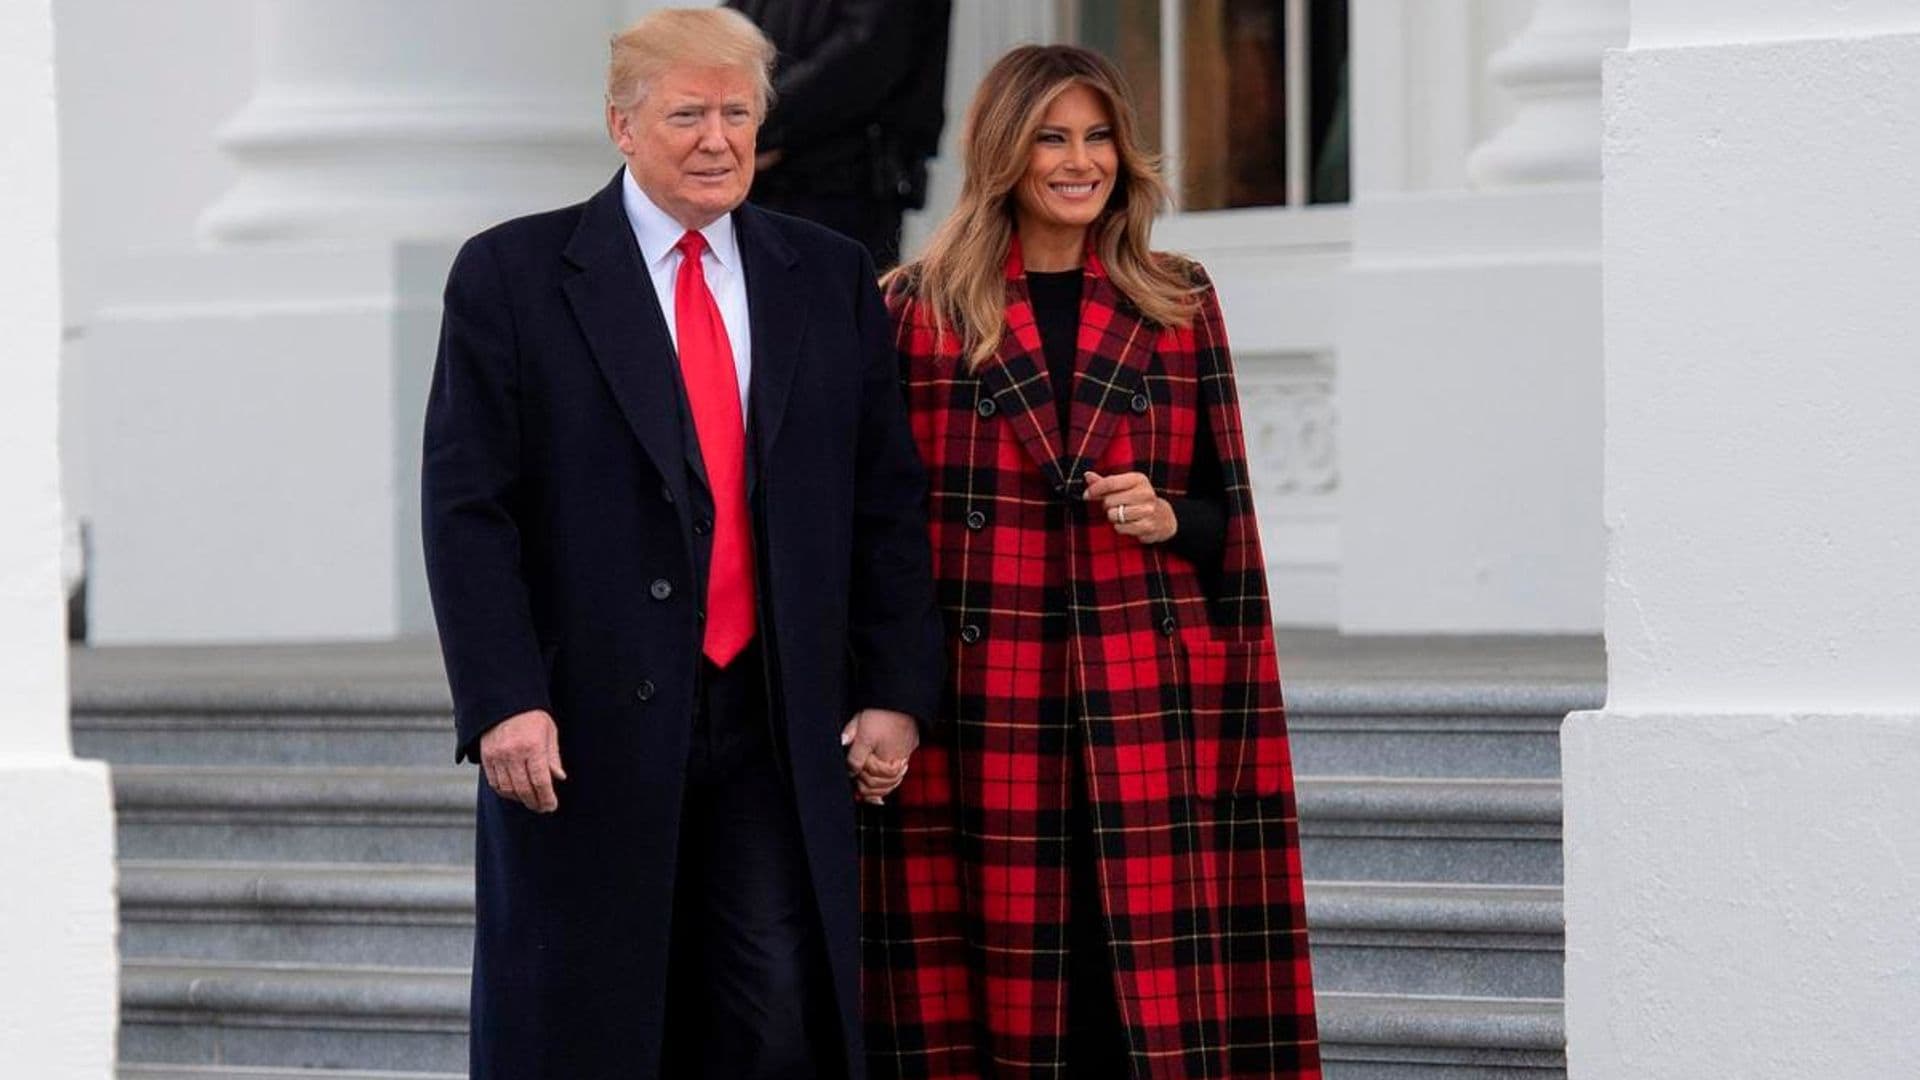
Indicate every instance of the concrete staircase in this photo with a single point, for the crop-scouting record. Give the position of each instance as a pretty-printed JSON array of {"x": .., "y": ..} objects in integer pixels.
[{"x": 295, "y": 846}]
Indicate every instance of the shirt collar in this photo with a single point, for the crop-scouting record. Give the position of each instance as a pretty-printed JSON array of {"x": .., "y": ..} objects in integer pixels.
[{"x": 657, "y": 233}]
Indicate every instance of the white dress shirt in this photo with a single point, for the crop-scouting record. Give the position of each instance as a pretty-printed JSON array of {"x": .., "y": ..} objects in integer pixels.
[{"x": 659, "y": 235}]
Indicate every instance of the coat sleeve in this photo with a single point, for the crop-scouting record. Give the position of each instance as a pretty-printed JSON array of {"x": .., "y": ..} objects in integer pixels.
[
  {"x": 895, "y": 628},
  {"x": 846, "y": 76},
  {"x": 470, "y": 477},
  {"x": 1240, "y": 605}
]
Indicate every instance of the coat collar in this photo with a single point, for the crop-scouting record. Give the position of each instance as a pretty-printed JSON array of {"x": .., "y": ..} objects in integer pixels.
[
  {"x": 614, "y": 303},
  {"x": 777, "y": 304},
  {"x": 613, "y": 300},
  {"x": 1114, "y": 349}
]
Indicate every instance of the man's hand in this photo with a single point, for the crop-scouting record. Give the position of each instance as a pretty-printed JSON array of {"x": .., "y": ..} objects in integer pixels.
[
  {"x": 521, "y": 756},
  {"x": 879, "y": 742}
]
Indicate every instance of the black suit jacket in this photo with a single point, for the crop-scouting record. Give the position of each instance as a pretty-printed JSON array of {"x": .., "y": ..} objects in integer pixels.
[{"x": 565, "y": 548}]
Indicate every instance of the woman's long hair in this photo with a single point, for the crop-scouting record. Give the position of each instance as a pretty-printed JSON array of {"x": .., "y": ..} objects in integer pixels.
[{"x": 961, "y": 277}]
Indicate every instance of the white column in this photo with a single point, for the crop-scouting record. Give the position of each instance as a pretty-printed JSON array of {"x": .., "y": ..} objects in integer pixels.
[
  {"x": 427, "y": 119},
  {"x": 1552, "y": 69},
  {"x": 57, "y": 1001},
  {"x": 1470, "y": 383},
  {"x": 1742, "y": 823}
]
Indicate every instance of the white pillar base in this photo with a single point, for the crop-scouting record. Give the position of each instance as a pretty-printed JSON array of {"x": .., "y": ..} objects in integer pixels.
[
  {"x": 58, "y": 1000},
  {"x": 1741, "y": 896},
  {"x": 1470, "y": 395},
  {"x": 254, "y": 437}
]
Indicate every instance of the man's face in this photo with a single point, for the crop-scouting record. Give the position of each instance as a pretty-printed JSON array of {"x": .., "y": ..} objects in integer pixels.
[{"x": 689, "y": 142}]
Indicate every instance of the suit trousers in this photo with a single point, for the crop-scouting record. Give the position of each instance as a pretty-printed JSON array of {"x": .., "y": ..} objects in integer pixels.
[{"x": 747, "y": 973}]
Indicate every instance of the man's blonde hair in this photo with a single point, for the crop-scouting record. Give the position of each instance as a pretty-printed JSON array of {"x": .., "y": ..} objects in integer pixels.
[{"x": 713, "y": 37}]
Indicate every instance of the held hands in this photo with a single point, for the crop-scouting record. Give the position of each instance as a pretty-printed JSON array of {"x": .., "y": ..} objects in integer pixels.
[
  {"x": 1132, "y": 506},
  {"x": 521, "y": 756},
  {"x": 878, "y": 742}
]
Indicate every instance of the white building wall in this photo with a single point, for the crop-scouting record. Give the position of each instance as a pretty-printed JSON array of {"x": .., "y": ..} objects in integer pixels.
[
  {"x": 1742, "y": 823},
  {"x": 247, "y": 391},
  {"x": 137, "y": 159},
  {"x": 57, "y": 1003},
  {"x": 1469, "y": 394}
]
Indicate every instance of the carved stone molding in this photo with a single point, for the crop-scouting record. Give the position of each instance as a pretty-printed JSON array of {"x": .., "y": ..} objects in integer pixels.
[{"x": 1287, "y": 405}]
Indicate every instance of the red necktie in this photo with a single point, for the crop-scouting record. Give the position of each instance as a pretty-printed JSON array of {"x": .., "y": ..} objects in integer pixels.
[{"x": 713, "y": 391}]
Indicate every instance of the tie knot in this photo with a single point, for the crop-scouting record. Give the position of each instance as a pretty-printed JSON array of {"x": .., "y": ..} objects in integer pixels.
[{"x": 692, "y": 245}]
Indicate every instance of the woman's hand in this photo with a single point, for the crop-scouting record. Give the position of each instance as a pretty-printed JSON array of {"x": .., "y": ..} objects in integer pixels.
[
  {"x": 1132, "y": 506},
  {"x": 878, "y": 744}
]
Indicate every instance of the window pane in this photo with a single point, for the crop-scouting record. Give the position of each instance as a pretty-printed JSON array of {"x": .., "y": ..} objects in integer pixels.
[
  {"x": 1128, "y": 33},
  {"x": 1234, "y": 111},
  {"x": 1234, "y": 107},
  {"x": 1327, "y": 135}
]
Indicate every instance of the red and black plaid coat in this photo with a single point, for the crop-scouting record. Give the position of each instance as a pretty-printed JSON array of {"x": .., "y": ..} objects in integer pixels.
[{"x": 1055, "y": 620}]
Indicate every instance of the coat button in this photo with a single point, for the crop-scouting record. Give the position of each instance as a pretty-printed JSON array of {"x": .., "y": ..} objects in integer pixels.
[
  {"x": 987, "y": 407},
  {"x": 661, "y": 588},
  {"x": 645, "y": 690},
  {"x": 1140, "y": 403},
  {"x": 969, "y": 634},
  {"x": 666, "y": 493},
  {"x": 976, "y": 521},
  {"x": 1168, "y": 626},
  {"x": 703, "y": 527}
]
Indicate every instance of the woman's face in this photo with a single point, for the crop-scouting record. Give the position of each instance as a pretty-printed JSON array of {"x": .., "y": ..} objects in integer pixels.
[{"x": 1071, "y": 165}]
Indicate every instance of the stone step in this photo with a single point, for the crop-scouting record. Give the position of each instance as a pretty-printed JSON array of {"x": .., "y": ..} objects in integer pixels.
[
  {"x": 227, "y": 1072},
  {"x": 1459, "y": 831},
  {"x": 281, "y": 813},
  {"x": 1409, "y": 1037},
  {"x": 1367, "y": 936},
  {"x": 258, "y": 735},
  {"x": 1467, "y": 940},
  {"x": 294, "y": 1016},
  {"x": 302, "y": 913},
  {"x": 1376, "y": 733},
  {"x": 1432, "y": 730},
  {"x": 1352, "y": 828},
  {"x": 259, "y": 1021}
]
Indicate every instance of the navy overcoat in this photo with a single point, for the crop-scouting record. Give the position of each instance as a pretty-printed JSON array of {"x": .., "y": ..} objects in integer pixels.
[{"x": 565, "y": 543}]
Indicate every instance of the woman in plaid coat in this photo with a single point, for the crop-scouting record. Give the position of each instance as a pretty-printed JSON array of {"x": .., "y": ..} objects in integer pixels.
[{"x": 1092, "y": 868}]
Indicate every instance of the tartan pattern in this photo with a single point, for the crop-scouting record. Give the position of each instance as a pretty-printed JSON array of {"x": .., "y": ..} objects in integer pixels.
[{"x": 1054, "y": 620}]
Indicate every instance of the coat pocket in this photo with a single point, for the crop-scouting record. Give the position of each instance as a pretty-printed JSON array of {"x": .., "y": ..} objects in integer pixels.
[{"x": 1235, "y": 716}]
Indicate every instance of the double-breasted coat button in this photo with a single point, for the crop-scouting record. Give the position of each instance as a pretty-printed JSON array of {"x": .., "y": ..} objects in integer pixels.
[
  {"x": 1140, "y": 403},
  {"x": 703, "y": 527},
  {"x": 666, "y": 493},
  {"x": 969, "y": 634},
  {"x": 645, "y": 690},
  {"x": 1168, "y": 626},
  {"x": 661, "y": 588},
  {"x": 987, "y": 407},
  {"x": 976, "y": 520}
]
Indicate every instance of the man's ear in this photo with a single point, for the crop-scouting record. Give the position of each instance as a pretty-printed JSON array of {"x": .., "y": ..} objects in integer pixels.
[{"x": 616, "y": 126}]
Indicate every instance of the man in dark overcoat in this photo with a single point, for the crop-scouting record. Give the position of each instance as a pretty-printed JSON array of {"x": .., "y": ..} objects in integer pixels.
[
  {"x": 860, "y": 98},
  {"x": 676, "y": 539}
]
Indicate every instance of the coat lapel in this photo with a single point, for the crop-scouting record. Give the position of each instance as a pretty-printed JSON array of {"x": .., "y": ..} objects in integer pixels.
[
  {"x": 776, "y": 304},
  {"x": 613, "y": 300},
  {"x": 1115, "y": 348},
  {"x": 1018, "y": 380}
]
